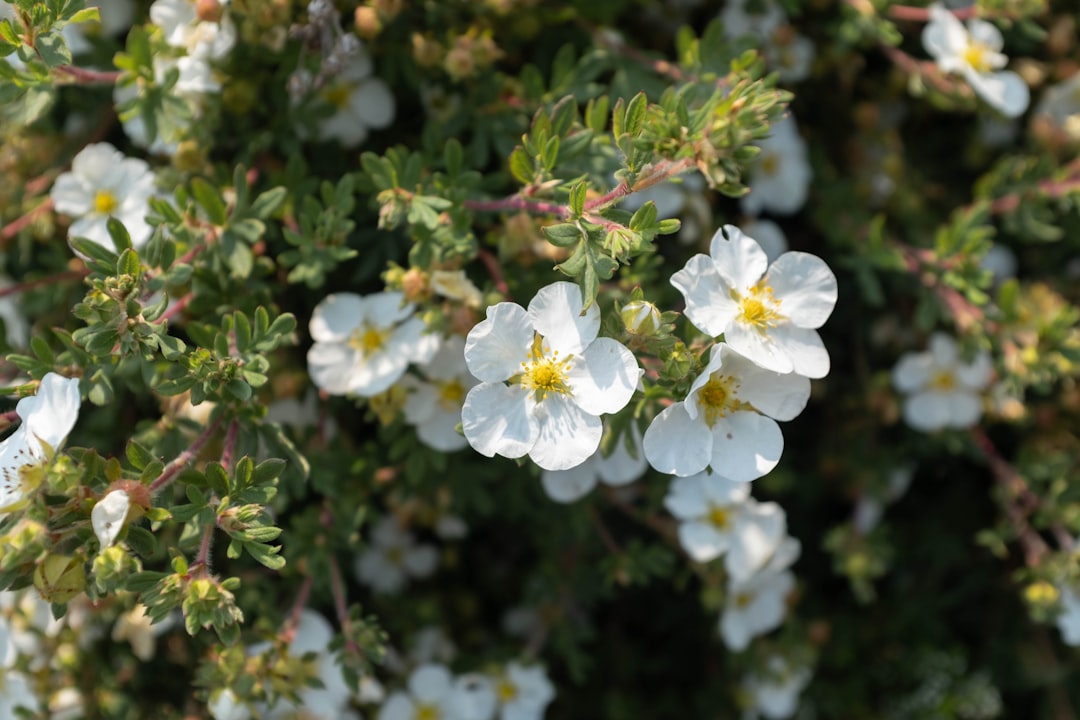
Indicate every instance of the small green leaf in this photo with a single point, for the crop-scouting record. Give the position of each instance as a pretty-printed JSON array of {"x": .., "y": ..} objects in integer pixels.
[
  {"x": 521, "y": 166},
  {"x": 577, "y": 198},
  {"x": 563, "y": 234},
  {"x": 211, "y": 200}
]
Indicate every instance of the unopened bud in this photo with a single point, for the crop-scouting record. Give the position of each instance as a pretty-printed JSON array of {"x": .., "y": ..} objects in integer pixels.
[
  {"x": 641, "y": 317},
  {"x": 368, "y": 24},
  {"x": 60, "y": 578},
  {"x": 208, "y": 10},
  {"x": 415, "y": 285}
]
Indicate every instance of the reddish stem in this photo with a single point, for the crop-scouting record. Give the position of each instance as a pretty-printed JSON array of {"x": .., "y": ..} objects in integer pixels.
[
  {"x": 494, "y": 270},
  {"x": 230, "y": 444},
  {"x": 50, "y": 280},
  {"x": 920, "y": 14},
  {"x": 177, "y": 307},
  {"x": 14, "y": 227},
  {"x": 90, "y": 77},
  {"x": 289, "y": 631},
  {"x": 173, "y": 468},
  {"x": 518, "y": 203}
]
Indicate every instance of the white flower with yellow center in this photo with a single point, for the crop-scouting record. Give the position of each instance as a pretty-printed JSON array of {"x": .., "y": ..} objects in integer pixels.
[
  {"x": 718, "y": 517},
  {"x": 363, "y": 344},
  {"x": 392, "y": 557},
  {"x": 201, "y": 36},
  {"x": 361, "y": 103},
  {"x": 545, "y": 378},
  {"x": 779, "y": 179},
  {"x": 522, "y": 692},
  {"x": 434, "y": 403},
  {"x": 943, "y": 390},
  {"x": 624, "y": 465},
  {"x": 1060, "y": 104},
  {"x": 430, "y": 696},
  {"x": 975, "y": 53},
  {"x": 754, "y": 606},
  {"x": 775, "y": 692},
  {"x": 768, "y": 313},
  {"x": 727, "y": 420},
  {"x": 47, "y": 418},
  {"x": 103, "y": 183}
]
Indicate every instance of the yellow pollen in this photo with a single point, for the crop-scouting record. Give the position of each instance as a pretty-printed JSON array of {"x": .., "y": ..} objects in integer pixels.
[
  {"x": 395, "y": 555},
  {"x": 451, "y": 395},
  {"x": 425, "y": 711},
  {"x": 337, "y": 95},
  {"x": 506, "y": 691},
  {"x": 770, "y": 163},
  {"x": 977, "y": 56},
  {"x": 943, "y": 381},
  {"x": 368, "y": 339},
  {"x": 720, "y": 517},
  {"x": 717, "y": 398},
  {"x": 544, "y": 373},
  {"x": 743, "y": 599},
  {"x": 758, "y": 307},
  {"x": 105, "y": 202}
]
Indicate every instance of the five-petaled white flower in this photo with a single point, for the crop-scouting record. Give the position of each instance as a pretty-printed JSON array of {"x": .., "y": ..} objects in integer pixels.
[
  {"x": 775, "y": 693},
  {"x": 624, "y": 465},
  {"x": 204, "y": 37},
  {"x": 47, "y": 418},
  {"x": 108, "y": 515},
  {"x": 779, "y": 179},
  {"x": 758, "y": 604},
  {"x": 768, "y": 313},
  {"x": 434, "y": 403},
  {"x": 363, "y": 344},
  {"x": 718, "y": 517},
  {"x": 975, "y": 53},
  {"x": 545, "y": 379},
  {"x": 727, "y": 420},
  {"x": 942, "y": 390},
  {"x": 392, "y": 557},
  {"x": 103, "y": 183},
  {"x": 431, "y": 696},
  {"x": 361, "y": 102},
  {"x": 523, "y": 692}
]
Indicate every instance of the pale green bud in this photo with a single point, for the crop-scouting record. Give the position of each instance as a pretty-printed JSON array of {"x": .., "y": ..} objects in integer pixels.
[{"x": 641, "y": 317}]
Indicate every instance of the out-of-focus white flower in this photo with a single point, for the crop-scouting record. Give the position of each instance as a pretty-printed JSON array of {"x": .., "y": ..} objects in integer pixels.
[
  {"x": 430, "y": 696},
  {"x": 1000, "y": 260},
  {"x": 1068, "y": 620},
  {"x": 67, "y": 704},
  {"x": 47, "y": 418},
  {"x": 523, "y": 692},
  {"x": 108, "y": 515},
  {"x": 758, "y": 604},
  {"x": 769, "y": 236},
  {"x": 871, "y": 505},
  {"x": 16, "y": 326},
  {"x": 16, "y": 693},
  {"x": 434, "y": 402},
  {"x": 456, "y": 285},
  {"x": 195, "y": 79},
  {"x": 775, "y": 693},
  {"x": 135, "y": 626},
  {"x": 431, "y": 645},
  {"x": 767, "y": 313},
  {"x": 785, "y": 51},
  {"x": 975, "y": 53},
  {"x": 361, "y": 103},
  {"x": 727, "y": 420},
  {"x": 624, "y": 465},
  {"x": 104, "y": 183},
  {"x": 682, "y": 198},
  {"x": 199, "y": 37},
  {"x": 545, "y": 379},
  {"x": 363, "y": 344},
  {"x": 392, "y": 557},
  {"x": 780, "y": 177},
  {"x": 942, "y": 391},
  {"x": 224, "y": 705},
  {"x": 1060, "y": 103}
]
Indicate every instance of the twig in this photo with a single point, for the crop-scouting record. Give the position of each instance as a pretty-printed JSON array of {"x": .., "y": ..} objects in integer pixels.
[
  {"x": 601, "y": 529},
  {"x": 90, "y": 77},
  {"x": 920, "y": 14},
  {"x": 495, "y": 271},
  {"x": 177, "y": 307},
  {"x": 173, "y": 468},
  {"x": 288, "y": 632},
  {"x": 14, "y": 227},
  {"x": 40, "y": 282}
]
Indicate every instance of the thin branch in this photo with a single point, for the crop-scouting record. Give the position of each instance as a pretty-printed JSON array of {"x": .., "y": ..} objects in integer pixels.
[
  {"x": 173, "y": 468},
  {"x": 177, "y": 307},
  {"x": 86, "y": 76},
  {"x": 921, "y": 14},
  {"x": 288, "y": 631},
  {"x": 16, "y": 226},
  {"x": 202, "y": 560},
  {"x": 601, "y": 529},
  {"x": 516, "y": 202},
  {"x": 41, "y": 282},
  {"x": 495, "y": 271},
  {"x": 230, "y": 444}
]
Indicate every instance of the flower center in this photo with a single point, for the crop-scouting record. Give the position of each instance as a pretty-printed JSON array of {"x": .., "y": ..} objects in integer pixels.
[
  {"x": 544, "y": 372},
  {"x": 717, "y": 398},
  {"x": 368, "y": 339},
  {"x": 720, "y": 517},
  {"x": 977, "y": 56},
  {"x": 943, "y": 381},
  {"x": 743, "y": 599},
  {"x": 770, "y": 163},
  {"x": 451, "y": 395},
  {"x": 758, "y": 307},
  {"x": 105, "y": 202},
  {"x": 506, "y": 691},
  {"x": 338, "y": 95},
  {"x": 427, "y": 711},
  {"x": 395, "y": 556}
]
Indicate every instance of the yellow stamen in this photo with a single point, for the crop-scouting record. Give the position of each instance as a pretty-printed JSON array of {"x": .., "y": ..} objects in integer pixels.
[
  {"x": 758, "y": 307},
  {"x": 368, "y": 339},
  {"x": 770, "y": 163},
  {"x": 943, "y": 381},
  {"x": 337, "y": 95},
  {"x": 717, "y": 398},
  {"x": 544, "y": 373},
  {"x": 720, "y": 517},
  {"x": 425, "y": 711},
  {"x": 977, "y": 56},
  {"x": 506, "y": 691},
  {"x": 451, "y": 395},
  {"x": 743, "y": 599},
  {"x": 105, "y": 203}
]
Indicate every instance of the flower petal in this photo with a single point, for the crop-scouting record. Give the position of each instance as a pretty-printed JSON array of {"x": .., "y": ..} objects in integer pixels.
[
  {"x": 330, "y": 365},
  {"x": 108, "y": 515},
  {"x": 567, "y": 486},
  {"x": 1005, "y": 91},
  {"x": 738, "y": 258},
  {"x": 495, "y": 421},
  {"x": 804, "y": 286},
  {"x": 568, "y": 435},
  {"x": 626, "y": 463},
  {"x": 677, "y": 444},
  {"x": 604, "y": 377},
  {"x": 497, "y": 345},
  {"x": 51, "y": 413},
  {"x": 702, "y": 541},
  {"x": 927, "y": 411},
  {"x": 372, "y": 103},
  {"x": 555, "y": 312},
  {"x": 804, "y": 348},
  {"x": 759, "y": 530},
  {"x": 745, "y": 446},
  {"x": 709, "y": 305},
  {"x": 336, "y": 317},
  {"x": 686, "y": 498},
  {"x": 780, "y": 396}
]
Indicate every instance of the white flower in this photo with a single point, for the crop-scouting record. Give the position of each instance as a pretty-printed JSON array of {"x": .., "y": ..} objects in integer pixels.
[
  {"x": 16, "y": 325},
  {"x": 727, "y": 420},
  {"x": 625, "y": 464},
  {"x": 545, "y": 379},
  {"x": 392, "y": 557},
  {"x": 363, "y": 344},
  {"x": 942, "y": 390},
  {"x": 434, "y": 403},
  {"x": 224, "y": 705},
  {"x": 871, "y": 505},
  {"x": 47, "y": 418},
  {"x": 784, "y": 50},
  {"x": 1060, "y": 103},
  {"x": 108, "y": 517},
  {"x": 430, "y": 696},
  {"x": 975, "y": 53},
  {"x": 775, "y": 694},
  {"x": 16, "y": 693},
  {"x": 474, "y": 698},
  {"x": 757, "y": 605},
  {"x": 1068, "y": 620},
  {"x": 769, "y": 313},
  {"x": 523, "y": 692},
  {"x": 456, "y": 285},
  {"x": 780, "y": 177},
  {"x": 769, "y": 236},
  {"x": 738, "y": 22},
  {"x": 103, "y": 183},
  {"x": 183, "y": 28},
  {"x": 361, "y": 103},
  {"x": 136, "y": 627},
  {"x": 718, "y": 517},
  {"x": 431, "y": 644}
]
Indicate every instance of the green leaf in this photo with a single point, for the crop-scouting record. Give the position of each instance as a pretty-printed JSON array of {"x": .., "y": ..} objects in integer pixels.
[
  {"x": 53, "y": 49},
  {"x": 563, "y": 234},
  {"x": 521, "y": 166},
  {"x": 267, "y": 203},
  {"x": 453, "y": 157},
  {"x": 88, "y": 14},
  {"x": 635, "y": 114},
  {"x": 211, "y": 200},
  {"x": 577, "y": 198},
  {"x": 128, "y": 263}
]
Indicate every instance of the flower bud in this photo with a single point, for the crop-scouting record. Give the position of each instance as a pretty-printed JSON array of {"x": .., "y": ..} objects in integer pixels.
[
  {"x": 60, "y": 578},
  {"x": 367, "y": 22},
  {"x": 208, "y": 10},
  {"x": 641, "y": 317},
  {"x": 415, "y": 285}
]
